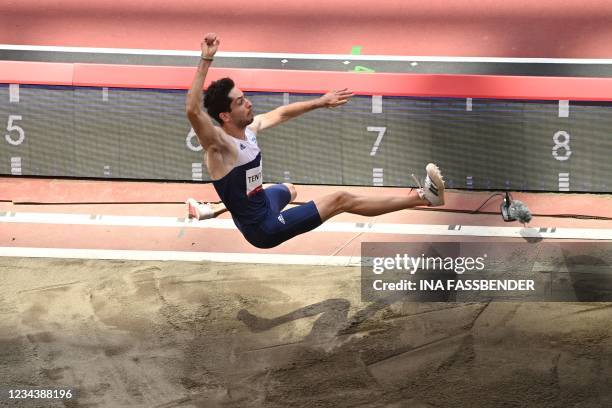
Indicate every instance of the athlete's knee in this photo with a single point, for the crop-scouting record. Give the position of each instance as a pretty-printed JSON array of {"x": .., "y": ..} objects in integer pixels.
[
  {"x": 342, "y": 200},
  {"x": 292, "y": 190}
]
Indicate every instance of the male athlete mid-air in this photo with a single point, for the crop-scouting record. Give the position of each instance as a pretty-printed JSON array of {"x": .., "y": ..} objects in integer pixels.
[{"x": 233, "y": 160}]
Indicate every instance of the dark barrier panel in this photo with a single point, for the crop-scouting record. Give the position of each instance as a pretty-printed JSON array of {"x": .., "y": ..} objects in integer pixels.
[{"x": 478, "y": 143}]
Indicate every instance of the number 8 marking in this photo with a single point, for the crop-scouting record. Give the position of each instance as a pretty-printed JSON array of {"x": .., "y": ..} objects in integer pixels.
[{"x": 558, "y": 145}]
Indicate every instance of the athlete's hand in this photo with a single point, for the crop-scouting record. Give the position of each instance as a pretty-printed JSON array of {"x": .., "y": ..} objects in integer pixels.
[
  {"x": 336, "y": 98},
  {"x": 209, "y": 45}
]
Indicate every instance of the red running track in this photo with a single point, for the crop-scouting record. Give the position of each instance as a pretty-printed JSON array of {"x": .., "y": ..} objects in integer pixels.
[
  {"x": 494, "y": 28},
  {"x": 105, "y": 198}
]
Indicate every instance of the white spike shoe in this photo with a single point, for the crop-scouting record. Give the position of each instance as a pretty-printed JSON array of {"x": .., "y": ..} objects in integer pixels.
[
  {"x": 433, "y": 189},
  {"x": 198, "y": 210}
]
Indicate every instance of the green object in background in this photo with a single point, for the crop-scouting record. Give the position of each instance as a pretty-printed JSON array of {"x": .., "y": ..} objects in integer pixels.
[
  {"x": 359, "y": 68},
  {"x": 356, "y": 50}
]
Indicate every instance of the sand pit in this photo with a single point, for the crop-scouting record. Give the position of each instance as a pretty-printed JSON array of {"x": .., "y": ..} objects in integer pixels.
[{"x": 173, "y": 334}]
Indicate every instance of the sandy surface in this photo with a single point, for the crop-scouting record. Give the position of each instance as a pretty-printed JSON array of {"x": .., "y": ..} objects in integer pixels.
[{"x": 171, "y": 334}]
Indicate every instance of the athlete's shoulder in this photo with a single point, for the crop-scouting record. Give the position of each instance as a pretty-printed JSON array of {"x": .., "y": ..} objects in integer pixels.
[
  {"x": 225, "y": 143},
  {"x": 255, "y": 126},
  {"x": 251, "y": 135}
]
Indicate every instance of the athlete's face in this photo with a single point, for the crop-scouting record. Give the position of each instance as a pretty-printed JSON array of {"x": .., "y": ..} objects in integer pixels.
[{"x": 242, "y": 109}]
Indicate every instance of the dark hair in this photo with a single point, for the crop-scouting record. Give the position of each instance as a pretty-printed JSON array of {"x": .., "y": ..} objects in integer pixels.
[{"x": 217, "y": 98}]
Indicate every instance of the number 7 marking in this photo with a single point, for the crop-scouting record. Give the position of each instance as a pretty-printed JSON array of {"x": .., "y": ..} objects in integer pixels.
[{"x": 381, "y": 132}]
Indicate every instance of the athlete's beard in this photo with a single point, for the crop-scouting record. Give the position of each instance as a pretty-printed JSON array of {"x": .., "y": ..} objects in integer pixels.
[{"x": 247, "y": 122}]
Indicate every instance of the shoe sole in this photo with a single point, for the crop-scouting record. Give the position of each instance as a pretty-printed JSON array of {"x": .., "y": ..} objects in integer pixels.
[
  {"x": 434, "y": 174},
  {"x": 191, "y": 208},
  {"x": 194, "y": 212}
]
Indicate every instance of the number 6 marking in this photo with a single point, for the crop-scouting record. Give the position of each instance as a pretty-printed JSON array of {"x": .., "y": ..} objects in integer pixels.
[
  {"x": 381, "y": 132},
  {"x": 10, "y": 127},
  {"x": 189, "y": 141}
]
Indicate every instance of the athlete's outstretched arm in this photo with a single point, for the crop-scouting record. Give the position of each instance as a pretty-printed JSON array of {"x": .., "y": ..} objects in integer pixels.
[
  {"x": 208, "y": 134},
  {"x": 286, "y": 112}
]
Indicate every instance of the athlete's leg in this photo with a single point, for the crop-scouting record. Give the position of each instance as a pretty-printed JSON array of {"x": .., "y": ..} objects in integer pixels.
[
  {"x": 218, "y": 208},
  {"x": 289, "y": 186},
  {"x": 292, "y": 190},
  {"x": 342, "y": 201},
  {"x": 280, "y": 195},
  {"x": 277, "y": 228}
]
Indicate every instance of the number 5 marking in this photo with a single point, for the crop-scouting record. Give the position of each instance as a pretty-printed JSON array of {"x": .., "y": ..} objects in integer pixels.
[
  {"x": 10, "y": 127},
  {"x": 381, "y": 132}
]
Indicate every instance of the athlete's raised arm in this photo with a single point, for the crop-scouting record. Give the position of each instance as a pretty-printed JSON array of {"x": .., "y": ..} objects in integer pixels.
[
  {"x": 286, "y": 112},
  {"x": 208, "y": 135}
]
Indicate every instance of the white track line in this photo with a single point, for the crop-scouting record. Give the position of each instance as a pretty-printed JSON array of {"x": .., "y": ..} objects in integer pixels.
[
  {"x": 379, "y": 228},
  {"x": 279, "y": 55},
  {"x": 277, "y": 259}
]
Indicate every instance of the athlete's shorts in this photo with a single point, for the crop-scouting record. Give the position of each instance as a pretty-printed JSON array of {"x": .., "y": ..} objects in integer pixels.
[{"x": 279, "y": 226}]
